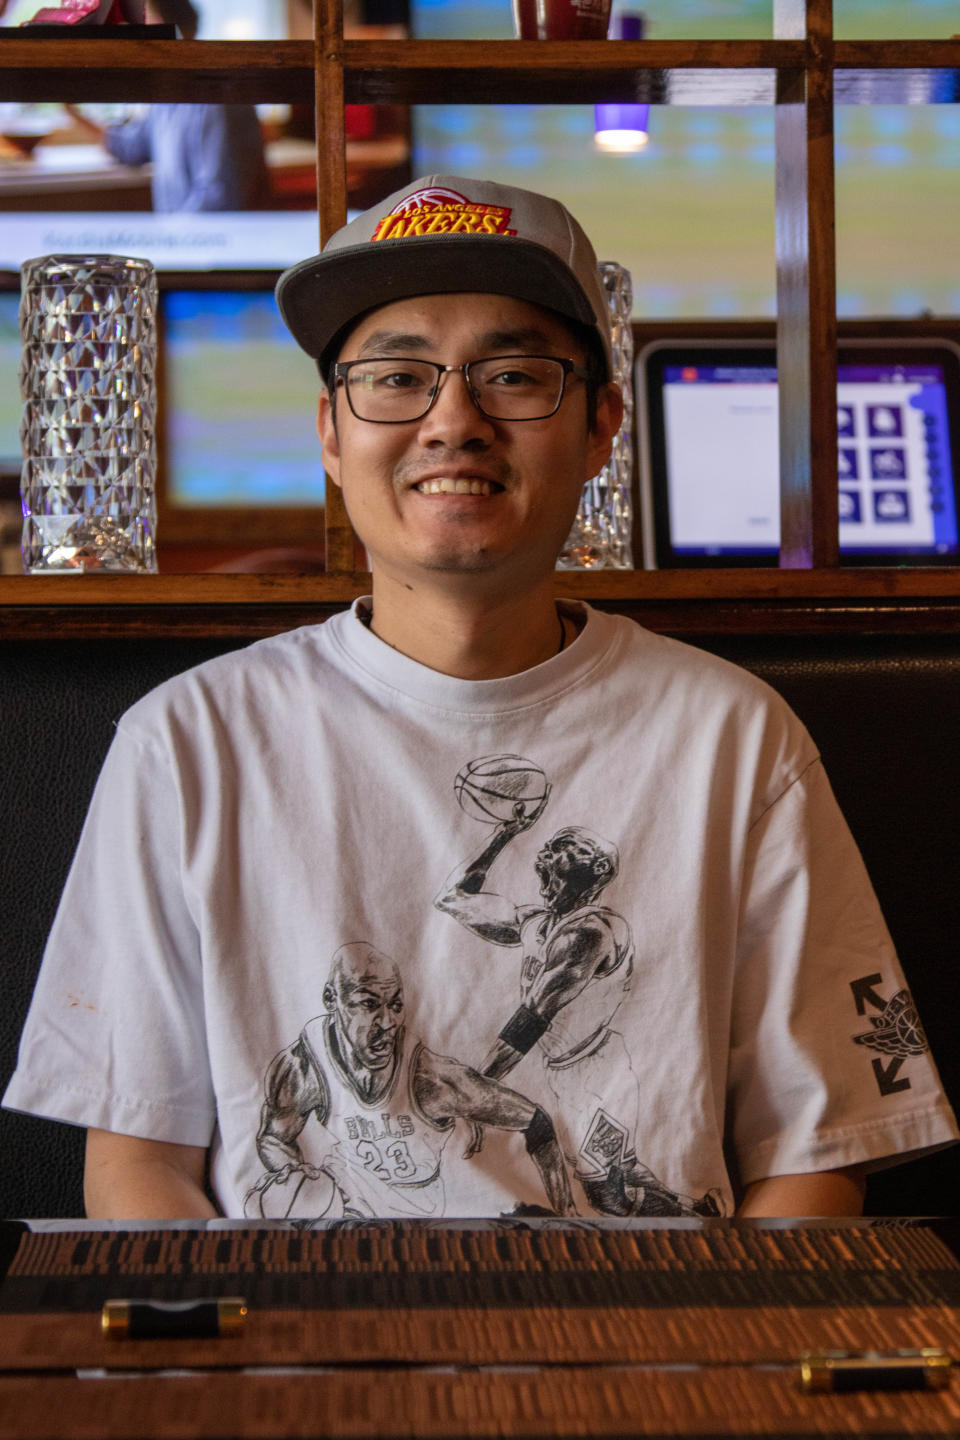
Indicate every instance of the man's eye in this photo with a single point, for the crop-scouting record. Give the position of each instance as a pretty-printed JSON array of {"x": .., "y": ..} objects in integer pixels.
[
  {"x": 512, "y": 378},
  {"x": 398, "y": 380}
]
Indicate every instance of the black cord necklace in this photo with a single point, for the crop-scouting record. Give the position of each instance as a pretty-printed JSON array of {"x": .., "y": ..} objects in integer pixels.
[{"x": 366, "y": 618}]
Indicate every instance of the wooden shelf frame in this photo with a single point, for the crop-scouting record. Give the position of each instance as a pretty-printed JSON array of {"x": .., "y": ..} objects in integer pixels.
[
  {"x": 802, "y": 71},
  {"x": 247, "y": 607},
  {"x": 410, "y": 72}
]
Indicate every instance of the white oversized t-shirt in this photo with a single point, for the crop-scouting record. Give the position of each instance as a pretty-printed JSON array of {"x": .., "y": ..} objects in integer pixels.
[{"x": 320, "y": 789}]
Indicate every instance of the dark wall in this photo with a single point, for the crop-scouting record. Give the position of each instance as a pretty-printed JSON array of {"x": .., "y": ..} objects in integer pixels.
[
  {"x": 59, "y": 701},
  {"x": 884, "y": 714}
]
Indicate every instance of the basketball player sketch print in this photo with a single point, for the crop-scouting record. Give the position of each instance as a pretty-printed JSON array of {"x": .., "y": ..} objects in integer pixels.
[
  {"x": 576, "y": 969},
  {"x": 357, "y": 1112}
]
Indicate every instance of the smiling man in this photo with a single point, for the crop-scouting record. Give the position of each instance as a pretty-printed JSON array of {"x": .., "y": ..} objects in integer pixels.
[
  {"x": 468, "y": 459},
  {"x": 696, "y": 1034}
]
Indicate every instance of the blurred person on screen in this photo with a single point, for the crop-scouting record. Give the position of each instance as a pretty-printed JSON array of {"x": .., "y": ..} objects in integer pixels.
[{"x": 204, "y": 157}]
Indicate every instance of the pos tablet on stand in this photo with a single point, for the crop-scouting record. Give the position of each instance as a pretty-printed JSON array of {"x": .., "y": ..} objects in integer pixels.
[{"x": 709, "y": 467}]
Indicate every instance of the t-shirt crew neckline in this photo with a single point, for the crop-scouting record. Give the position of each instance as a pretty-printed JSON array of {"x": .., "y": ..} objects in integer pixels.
[{"x": 577, "y": 660}]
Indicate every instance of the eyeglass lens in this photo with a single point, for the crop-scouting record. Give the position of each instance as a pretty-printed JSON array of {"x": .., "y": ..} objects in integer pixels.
[{"x": 510, "y": 387}]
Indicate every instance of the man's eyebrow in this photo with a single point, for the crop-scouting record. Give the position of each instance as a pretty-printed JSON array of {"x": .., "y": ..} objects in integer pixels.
[
  {"x": 527, "y": 341},
  {"x": 393, "y": 342},
  {"x": 376, "y": 988}
]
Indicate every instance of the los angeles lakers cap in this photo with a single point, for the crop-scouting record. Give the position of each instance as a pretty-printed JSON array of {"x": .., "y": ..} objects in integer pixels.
[{"x": 441, "y": 234}]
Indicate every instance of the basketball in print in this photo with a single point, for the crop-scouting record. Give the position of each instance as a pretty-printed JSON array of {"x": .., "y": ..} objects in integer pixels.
[
  {"x": 294, "y": 1194},
  {"x": 492, "y": 787}
]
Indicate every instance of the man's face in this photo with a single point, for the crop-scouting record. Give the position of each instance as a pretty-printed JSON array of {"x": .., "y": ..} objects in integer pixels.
[
  {"x": 368, "y": 1009},
  {"x": 456, "y": 494},
  {"x": 567, "y": 865}
]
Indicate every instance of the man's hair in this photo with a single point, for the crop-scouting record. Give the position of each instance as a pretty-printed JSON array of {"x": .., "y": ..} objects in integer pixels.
[
  {"x": 603, "y": 849},
  {"x": 348, "y": 964},
  {"x": 594, "y": 363}
]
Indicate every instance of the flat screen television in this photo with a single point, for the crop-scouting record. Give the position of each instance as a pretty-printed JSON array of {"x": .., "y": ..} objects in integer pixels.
[
  {"x": 709, "y": 452},
  {"x": 10, "y": 407},
  {"x": 238, "y": 401},
  {"x": 691, "y": 213}
]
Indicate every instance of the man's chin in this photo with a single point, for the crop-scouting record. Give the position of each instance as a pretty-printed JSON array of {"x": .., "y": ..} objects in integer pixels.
[
  {"x": 459, "y": 562},
  {"x": 379, "y": 1059}
]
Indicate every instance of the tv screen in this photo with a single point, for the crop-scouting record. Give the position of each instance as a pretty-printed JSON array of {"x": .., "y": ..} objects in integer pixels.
[
  {"x": 239, "y": 403},
  {"x": 173, "y": 199},
  {"x": 10, "y": 407},
  {"x": 691, "y": 213},
  {"x": 238, "y": 400}
]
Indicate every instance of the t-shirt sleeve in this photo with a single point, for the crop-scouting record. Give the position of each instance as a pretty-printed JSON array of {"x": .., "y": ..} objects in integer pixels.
[
  {"x": 225, "y": 158},
  {"x": 829, "y": 1063},
  {"x": 115, "y": 1035},
  {"x": 130, "y": 143}
]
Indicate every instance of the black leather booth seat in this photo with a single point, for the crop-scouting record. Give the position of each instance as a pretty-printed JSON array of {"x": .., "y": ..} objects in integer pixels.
[{"x": 883, "y": 710}]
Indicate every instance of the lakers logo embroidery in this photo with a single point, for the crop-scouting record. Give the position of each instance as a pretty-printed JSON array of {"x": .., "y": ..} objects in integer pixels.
[{"x": 436, "y": 211}]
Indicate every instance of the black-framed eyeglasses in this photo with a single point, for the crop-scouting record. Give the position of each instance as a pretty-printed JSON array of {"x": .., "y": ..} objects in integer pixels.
[{"x": 392, "y": 390}]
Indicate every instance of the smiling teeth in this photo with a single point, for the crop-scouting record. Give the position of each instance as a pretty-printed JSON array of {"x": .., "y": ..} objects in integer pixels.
[{"x": 448, "y": 486}]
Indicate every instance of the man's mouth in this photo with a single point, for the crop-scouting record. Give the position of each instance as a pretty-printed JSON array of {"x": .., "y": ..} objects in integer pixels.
[
  {"x": 548, "y": 880},
  {"x": 448, "y": 485}
]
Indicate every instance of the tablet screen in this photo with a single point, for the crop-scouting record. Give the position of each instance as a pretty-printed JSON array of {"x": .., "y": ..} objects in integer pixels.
[{"x": 710, "y": 456}]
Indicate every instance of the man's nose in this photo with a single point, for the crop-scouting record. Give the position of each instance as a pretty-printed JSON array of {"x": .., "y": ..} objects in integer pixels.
[{"x": 453, "y": 418}]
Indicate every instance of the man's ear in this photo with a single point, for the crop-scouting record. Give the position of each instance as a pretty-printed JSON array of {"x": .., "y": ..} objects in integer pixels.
[
  {"x": 327, "y": 430},
  {"x": 602, "y": 868},
  {"x": 601, "y": 437}
]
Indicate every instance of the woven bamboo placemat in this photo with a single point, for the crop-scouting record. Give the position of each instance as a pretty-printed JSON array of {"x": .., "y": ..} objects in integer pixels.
[
  {"x": 356, "y": 1405},
  {"x": 407, "y": 1293}
]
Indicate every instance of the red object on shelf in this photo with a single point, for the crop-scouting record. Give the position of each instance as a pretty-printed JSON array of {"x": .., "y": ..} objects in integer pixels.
[
  {"x": 90, "y": 12},
  {"x": 360, "y": 121}
]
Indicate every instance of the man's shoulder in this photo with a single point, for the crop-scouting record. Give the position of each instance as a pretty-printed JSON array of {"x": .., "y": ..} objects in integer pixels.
[
  {"x": 593, "y": 917},
  {"x": 665, "y": 661},
  {"x": 312, "y": 1037},
  {"x": 599, "y": 915},
  {"x": 690, "y": 700},
  {"x": 235, "y": 682}
]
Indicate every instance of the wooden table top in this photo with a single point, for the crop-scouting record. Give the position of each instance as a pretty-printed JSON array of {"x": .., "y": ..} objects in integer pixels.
[{"x": 527, "y": 1328}]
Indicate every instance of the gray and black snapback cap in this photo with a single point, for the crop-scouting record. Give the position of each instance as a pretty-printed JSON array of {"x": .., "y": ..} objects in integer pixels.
[{"x": 443, "y": 234}]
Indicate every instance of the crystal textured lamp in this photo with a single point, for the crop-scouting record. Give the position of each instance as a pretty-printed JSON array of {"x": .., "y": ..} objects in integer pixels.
[{"x": 88, "y": 347}]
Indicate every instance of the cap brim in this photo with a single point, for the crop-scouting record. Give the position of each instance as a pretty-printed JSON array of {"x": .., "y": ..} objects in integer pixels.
[{"x": 319, "y": 297}]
